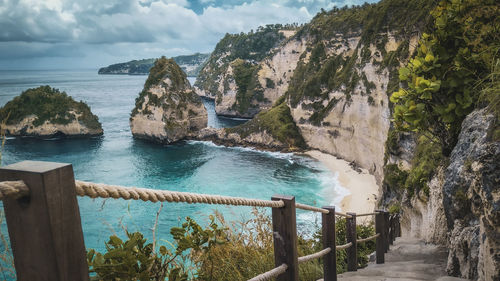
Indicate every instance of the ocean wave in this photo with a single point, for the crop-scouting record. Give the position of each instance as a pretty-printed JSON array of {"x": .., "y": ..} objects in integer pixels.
[{"x": 281, "y": 155}]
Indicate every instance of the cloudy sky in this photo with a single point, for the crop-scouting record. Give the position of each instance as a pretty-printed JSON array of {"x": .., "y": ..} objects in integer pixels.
[{"x": 61, "y": 34}]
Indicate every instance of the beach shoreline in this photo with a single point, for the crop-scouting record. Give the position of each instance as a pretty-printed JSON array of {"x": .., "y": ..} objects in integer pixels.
[{"x": 362, "y": 187}]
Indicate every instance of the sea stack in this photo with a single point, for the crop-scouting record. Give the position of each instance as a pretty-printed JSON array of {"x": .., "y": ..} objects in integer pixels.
[
  {"x": 45, "y": 112},
  {"x": 167, "y": 110}
]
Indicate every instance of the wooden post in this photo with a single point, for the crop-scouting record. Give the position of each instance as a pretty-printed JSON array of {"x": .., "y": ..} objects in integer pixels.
[
  {"x": 398, "y": 226},
  {"x": 352, "y": 253},
  {"x": 386, "y": 231},
  {"x": 285, "y": 238},
  {"x": 45, "y": 229},
  {"x": 330, "y": 259},
  {"x": 391, "y": 229},
  {"x": 380, "y": 242}
]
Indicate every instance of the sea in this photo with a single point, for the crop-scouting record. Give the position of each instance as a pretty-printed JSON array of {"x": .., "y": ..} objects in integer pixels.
[{"x": 192, "y": 166}]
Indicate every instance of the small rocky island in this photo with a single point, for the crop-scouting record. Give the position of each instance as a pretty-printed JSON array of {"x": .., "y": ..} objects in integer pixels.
[
  {"x": 46, "y": 112},
  {"x": 167, "y": 110}
]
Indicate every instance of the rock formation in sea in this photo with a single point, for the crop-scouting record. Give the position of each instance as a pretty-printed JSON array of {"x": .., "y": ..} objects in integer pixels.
[
  {"x": 46, "y": 112},
  {"x": 167, "y": 110},
  {"x": 272, "y": 129}
]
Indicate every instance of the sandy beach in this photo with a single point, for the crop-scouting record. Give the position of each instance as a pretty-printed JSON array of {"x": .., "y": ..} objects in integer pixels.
[{"x": 362, "y": 186}]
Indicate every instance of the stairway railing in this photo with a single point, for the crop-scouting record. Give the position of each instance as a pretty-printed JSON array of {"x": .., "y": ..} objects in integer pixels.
[{"x": 44, "y": 224}]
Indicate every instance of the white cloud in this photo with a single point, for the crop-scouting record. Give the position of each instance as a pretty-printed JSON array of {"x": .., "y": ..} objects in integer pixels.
[{"x": 116, "y": 30}]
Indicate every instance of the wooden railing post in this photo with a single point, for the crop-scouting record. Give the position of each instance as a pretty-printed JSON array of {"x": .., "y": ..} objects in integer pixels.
[
  {"x": 330, "y": 259},
  {"x": 285, "y": 238},
  {"x": 398, "y": 226},
  {"x": 391, "y": 229},
  {"x": 45, "y": 229},
  {"x": 386, "y": 231},
  {"x": 352, "y": 253},
  {"x": 380, "y": 242}
]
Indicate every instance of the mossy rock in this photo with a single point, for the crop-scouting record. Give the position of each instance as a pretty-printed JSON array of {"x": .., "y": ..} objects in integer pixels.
[
  {"x": 278, "y": 122},
  {"x": 48, "y": 104}
]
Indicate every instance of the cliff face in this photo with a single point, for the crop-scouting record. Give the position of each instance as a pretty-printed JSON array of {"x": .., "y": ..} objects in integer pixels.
[
  {"x": 45, "y": 112},
  {"x": 339, "y": 90},
  {"x": 462, "y": 207},
  {"x": 349, "y": 120},
  {"x": 237, "y": 72},
  {"x": 167, "y": 110}
]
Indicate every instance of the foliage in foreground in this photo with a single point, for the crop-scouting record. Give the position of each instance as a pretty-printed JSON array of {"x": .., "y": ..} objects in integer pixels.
[
  {"x": 220, "y": 251},
  {"x": 440, "y": 84}
]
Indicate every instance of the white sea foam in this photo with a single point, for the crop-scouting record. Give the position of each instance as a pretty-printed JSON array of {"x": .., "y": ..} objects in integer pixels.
[{"x": 280, "y": 155}]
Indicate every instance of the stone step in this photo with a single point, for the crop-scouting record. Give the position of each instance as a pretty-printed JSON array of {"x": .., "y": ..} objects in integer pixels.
[{"x": 408, "y": 259}]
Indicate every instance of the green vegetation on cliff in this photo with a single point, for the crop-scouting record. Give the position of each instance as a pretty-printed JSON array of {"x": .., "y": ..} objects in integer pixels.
[
  {"x": 48, "y": 104},
  {"x": 321, "y": 73},
  {"x": 454, "y": 71},
  {"x": 243, "y": 51},
  {"x": 442, "y": 82},
  {"x": 249, "y": 88},
  {"x": 277, "y": 122},
  {"x": 165, "y": 69}
]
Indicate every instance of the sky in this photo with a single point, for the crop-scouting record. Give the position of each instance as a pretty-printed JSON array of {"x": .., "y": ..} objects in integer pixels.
[{"x": 88, "y": 34}]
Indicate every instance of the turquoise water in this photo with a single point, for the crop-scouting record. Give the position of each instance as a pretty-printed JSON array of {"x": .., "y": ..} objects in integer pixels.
[{"x": 117, "y": 158}]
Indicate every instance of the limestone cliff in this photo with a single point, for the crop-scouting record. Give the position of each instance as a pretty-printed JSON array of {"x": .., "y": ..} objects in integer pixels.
[
  {"x": 339, "y": 89},
  {"x": 167, "y": 110},
  {"x": 46, "y": 112},
  {"x": 242, "y": 72},
  {"x": 461, "y": 207}
]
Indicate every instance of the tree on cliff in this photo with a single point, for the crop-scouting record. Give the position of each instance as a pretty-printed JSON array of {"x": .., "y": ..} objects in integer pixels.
[{"x": 441, "y": 84}]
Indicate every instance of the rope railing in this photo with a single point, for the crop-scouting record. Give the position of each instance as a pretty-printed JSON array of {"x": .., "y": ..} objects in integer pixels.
[
  {"x": 342, "y": 247},
  {"x": 271, "y": 273},
  {"x": 13, "y": 189},
  {"x": 368, "y": 238},
  {"x": 94, "y": 190},
  {"x": 315, "y": 255},
  {"x": 17, "y": 189},
  {"x": 311, "y": 208},
  {"x": 366, "y": 214},
  {"x": 343, "y": 215},
  {"x": 283, "y": 214}
]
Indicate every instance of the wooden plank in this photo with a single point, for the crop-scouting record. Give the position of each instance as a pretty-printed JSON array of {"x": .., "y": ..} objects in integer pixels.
[
  {"x": 45, "y": 229},
  {"x": 285, "y": 238},
  {"x": 380, "y": 242},
  {"x": 330, "y": 259},
  {"x": 351, "y": 235}
]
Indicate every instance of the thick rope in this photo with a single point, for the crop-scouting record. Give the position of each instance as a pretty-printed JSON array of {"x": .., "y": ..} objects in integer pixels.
[
  {"x": 368, "y": 238},
  {"x": 343, "y": 215},
  {"x": 311, "y": 208},
  {"x": 95, "y": 190},
  {"x": 270, "y": 274},
  {"x": 13, "y": 189},
  {"x": 365, "y": 214},
  {"x": 345, "y": 246},
  {"x": 315, "y": 255}
]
